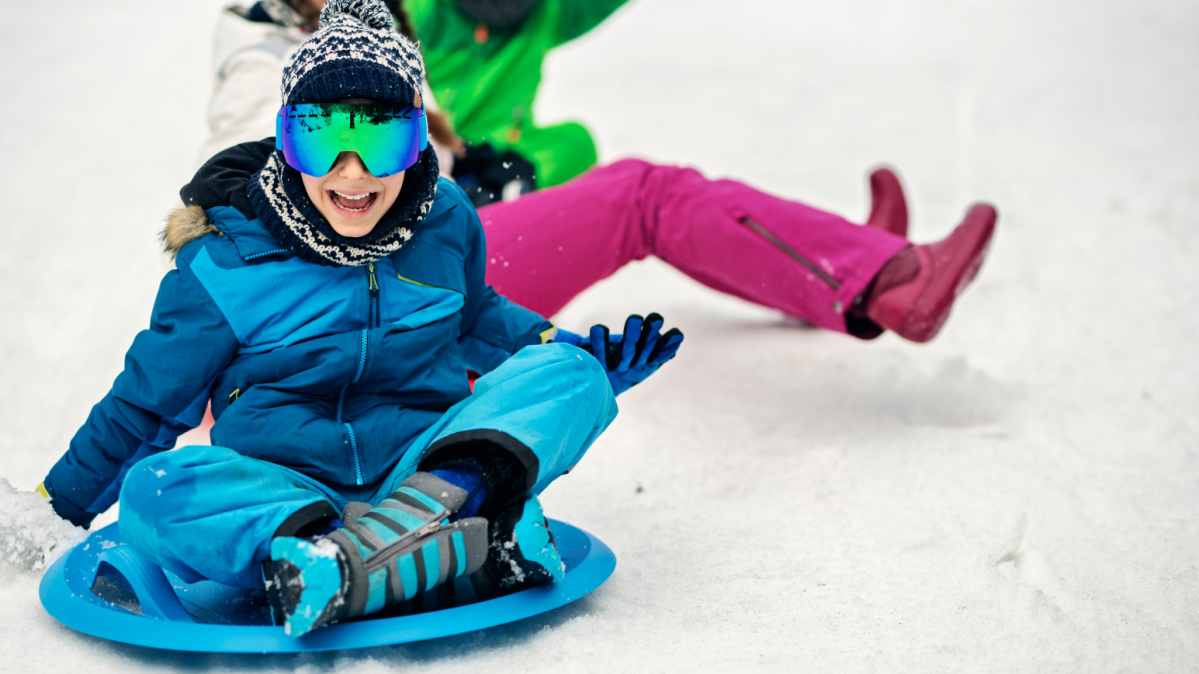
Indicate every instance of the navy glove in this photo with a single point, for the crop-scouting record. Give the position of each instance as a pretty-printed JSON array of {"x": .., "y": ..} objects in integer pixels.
[{"x": 630, "y": 358}]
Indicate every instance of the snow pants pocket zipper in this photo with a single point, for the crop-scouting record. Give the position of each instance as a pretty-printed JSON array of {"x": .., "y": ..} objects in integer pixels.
[{"x": 790, "y": 252}]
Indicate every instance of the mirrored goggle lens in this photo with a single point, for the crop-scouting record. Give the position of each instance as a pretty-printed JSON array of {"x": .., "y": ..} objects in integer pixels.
[{"x": 389, "y": 139}]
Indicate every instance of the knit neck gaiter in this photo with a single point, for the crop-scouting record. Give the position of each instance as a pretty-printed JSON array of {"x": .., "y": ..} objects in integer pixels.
[{"x": 280, "y": 201}]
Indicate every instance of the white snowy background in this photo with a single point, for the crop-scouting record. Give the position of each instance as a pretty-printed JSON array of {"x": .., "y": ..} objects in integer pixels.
[{"x": 1022, "y": 495}]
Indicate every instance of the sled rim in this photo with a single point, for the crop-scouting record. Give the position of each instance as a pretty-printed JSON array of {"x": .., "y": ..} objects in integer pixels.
[{"x": 108, "y": 621}]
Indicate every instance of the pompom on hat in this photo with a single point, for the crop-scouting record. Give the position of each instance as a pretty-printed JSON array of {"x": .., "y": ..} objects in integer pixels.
[{"x": 355, "y": 53}]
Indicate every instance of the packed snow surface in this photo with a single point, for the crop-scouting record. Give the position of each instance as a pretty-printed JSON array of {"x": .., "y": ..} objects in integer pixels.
[{"x": 1021, "y": 495}]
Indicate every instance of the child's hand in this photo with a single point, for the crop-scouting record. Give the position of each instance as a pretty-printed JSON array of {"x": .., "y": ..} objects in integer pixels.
[{"x": 630, "y": 358}]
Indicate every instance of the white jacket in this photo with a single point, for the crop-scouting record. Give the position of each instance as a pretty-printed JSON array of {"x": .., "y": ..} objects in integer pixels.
[{"x": 247, "y": 60}]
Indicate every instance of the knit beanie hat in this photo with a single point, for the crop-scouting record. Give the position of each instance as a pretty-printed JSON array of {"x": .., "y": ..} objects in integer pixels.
[{"x": 356, "y": 53}]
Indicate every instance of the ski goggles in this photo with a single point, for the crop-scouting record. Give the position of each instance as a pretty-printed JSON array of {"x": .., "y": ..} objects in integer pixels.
[{"x": 388, "y": 138}]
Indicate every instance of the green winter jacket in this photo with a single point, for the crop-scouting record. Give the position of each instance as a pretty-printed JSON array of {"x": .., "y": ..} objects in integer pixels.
[{"x": 487, "y": 87}]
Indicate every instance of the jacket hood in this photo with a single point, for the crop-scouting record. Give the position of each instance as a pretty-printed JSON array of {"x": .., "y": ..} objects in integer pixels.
[{"x": 221, "y": 181}]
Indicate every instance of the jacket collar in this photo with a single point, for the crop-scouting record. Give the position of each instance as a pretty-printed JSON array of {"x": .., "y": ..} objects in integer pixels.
[
  {"x": 253, "y": 241},
  {"x": 249, "y": 236}
]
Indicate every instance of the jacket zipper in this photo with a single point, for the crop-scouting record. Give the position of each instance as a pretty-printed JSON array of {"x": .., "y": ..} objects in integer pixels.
[
  {"x": 277, "y": 251},
  {"x": 372, "y": 322},
  {"x": 374, "y": 289},
  {"x": 791, "y": 253},
  {"x": 341, "y": 401}
]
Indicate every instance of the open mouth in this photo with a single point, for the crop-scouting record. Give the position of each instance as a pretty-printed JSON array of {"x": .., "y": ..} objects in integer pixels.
[{"x": 353, "y": 203}]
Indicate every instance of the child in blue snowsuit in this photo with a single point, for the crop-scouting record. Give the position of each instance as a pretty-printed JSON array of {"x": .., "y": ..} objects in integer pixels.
[{"x": 328, "y": 299}]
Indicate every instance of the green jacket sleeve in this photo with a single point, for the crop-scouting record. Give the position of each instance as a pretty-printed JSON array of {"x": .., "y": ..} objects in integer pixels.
[{"x": 580, "y": 16}]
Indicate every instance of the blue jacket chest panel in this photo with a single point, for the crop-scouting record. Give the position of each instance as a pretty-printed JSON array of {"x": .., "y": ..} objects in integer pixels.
[
  {"x": 285, "y": 352},
  {"x": 279, "y": 303}
]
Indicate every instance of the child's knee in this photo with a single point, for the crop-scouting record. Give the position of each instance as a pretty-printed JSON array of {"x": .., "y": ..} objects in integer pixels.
[
  {"x": 631, "y": 169},
  {"x": 587, "y": 369},
  {"x": 142, "y": 506},
  {"x": 569, "y": 362},
  {"x": 581, "y": 375},
  {"x": 144, "y": 476},
  {"x": 557, "y": 371},
  {"x": 159, "y": 480},
  {"x": 648, "y": 176}
]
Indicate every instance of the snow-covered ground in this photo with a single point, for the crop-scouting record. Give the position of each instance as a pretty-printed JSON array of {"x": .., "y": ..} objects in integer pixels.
[{"x": 1022, "y": 495}]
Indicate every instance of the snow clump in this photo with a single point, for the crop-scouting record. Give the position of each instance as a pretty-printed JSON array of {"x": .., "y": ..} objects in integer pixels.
[{"x": 32, "y": 535}]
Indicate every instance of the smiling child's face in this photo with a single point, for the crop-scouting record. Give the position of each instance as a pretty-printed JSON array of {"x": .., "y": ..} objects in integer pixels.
[{"x": 350, "y": 198}]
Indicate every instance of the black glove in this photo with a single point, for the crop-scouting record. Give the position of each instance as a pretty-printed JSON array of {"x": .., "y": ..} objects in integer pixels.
[{"x": 486, "y": 175}]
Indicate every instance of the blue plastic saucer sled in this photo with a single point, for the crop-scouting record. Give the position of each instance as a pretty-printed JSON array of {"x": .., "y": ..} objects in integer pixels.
[{"x": 148, "y": 606}]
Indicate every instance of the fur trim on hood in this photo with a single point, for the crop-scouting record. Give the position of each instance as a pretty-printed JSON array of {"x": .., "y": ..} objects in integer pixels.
[
  {"x": 183, "y": 226},
  {"x": 221, "y": 181}
]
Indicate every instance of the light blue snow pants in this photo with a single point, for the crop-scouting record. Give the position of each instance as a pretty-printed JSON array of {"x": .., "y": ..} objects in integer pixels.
[{"x": 210, "y": 513}]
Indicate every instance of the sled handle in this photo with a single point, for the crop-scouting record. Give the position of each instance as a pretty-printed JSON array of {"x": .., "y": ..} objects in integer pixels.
[{"x": 149, "y": 583}]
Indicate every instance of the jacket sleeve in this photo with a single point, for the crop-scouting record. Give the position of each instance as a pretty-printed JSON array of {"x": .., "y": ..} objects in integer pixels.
[
  {"x": 580, "y": 16},
  {"x": 493, "y": 327},
  {"x": 162, "y": 392}
]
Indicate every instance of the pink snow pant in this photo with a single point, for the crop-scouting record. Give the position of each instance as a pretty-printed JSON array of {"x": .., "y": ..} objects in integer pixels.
[{"x": 547, "y": 247}]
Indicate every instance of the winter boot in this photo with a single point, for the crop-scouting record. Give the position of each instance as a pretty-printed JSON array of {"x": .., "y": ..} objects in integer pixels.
[
  {"x": 523, "y": 554},
  {"x": 888, "y": 209},
  {"x": 402, "y": 547},
  {"x": 522, "y": 550},
  {"x": 915, "y": 290}
]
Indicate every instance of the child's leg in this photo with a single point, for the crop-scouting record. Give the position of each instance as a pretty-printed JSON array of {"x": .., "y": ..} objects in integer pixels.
[
  {"x": 542, "y": 408},
  {"x": 210, "y": 513},
  {"x": 551, "y": 245},
  {"x": 528, "y": 422},
  {"x": 404, "y": 546}
]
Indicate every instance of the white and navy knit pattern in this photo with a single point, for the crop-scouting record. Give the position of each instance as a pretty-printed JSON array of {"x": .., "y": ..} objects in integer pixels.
[
  {"x": 278, "y": 196},
  {"x": 357, "y": 53}
]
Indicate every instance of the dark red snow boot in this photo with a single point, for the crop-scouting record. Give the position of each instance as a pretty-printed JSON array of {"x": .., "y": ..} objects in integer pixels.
[
  {"x": 888, "y": 209},
  {"x": 915, "y": 290}
]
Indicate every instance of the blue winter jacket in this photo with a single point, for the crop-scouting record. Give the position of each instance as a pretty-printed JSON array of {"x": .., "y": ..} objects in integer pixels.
[{"x": 331, "y": 371}]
